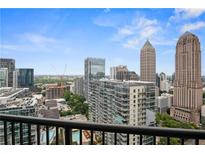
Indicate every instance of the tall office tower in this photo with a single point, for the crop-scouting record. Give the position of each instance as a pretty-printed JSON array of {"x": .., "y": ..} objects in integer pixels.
[
  {"x": 78, "y": 86},
  {"x": 122, "y": 102},
  {"x": 3, "y": 77},
  {"x": 94, "y": 68},
  {"x": 148, "y": 63},
  {"x": 10, "y": 65},
  {"x": 122, "y": 73},
  {"x": 187, "y": 85},
  {"x": 23, "y": 78}
]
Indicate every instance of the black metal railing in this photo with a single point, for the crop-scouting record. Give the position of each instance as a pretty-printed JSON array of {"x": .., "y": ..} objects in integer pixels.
[{"x": 67, "y": 126}]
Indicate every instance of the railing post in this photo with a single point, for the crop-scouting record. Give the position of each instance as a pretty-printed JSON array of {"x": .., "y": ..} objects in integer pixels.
[
  {"x": 5, "y": 133},
  {"x": 68, "y": 136}
]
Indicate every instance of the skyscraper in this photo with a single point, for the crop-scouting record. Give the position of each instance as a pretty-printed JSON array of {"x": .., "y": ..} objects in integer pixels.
[
  {"x": 94, "y": 69},
  {"x": 10, "y": 65},
  {"x": 148, "y": 63},
  {"x": 187, "y": 84},
  {"x": 23, "y": 78}
]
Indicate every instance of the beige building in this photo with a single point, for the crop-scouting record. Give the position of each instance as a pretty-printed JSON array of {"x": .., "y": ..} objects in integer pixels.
[
  {"x": 148, "y": 63},
  {"x": 56, "y": 91},
  {"x": 187, "y": 84},
  {"x": 122, "y": 73}
]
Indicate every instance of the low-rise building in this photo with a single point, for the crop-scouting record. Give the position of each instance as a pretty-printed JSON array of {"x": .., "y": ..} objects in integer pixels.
[
  {"x": 56, "y": 91},
  {"x": 50, "y": 109},
  {"x": 164, "y": 102}
]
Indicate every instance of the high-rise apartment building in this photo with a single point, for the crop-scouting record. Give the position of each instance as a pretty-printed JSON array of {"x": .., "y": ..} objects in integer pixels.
[
  {"x": 122, "y": 102},
  {"x": 10, "y": 65},
  {"x": 148, "y": 63},
  {"x": 3, "y": 77},
  {"x": 23, "y": 78},
  {"x": 94, "y": 68},
  {"x": 187, "y": 84}
]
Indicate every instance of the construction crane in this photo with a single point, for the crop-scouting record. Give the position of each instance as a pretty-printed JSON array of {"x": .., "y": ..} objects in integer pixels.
[
  {"x": 62, "y": 81},
  {"x": 62, "y": 76}
]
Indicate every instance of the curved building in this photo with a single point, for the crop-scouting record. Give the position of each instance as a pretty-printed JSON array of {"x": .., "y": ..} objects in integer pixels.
[{"x": 187, "y": 84}]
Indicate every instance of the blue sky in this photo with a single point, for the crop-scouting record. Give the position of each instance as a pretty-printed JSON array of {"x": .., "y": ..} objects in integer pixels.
[{"x": 56, "y": 41}]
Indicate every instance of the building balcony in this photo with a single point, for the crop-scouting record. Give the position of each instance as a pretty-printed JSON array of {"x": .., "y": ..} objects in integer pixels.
[{"x": 91, "y": 128}]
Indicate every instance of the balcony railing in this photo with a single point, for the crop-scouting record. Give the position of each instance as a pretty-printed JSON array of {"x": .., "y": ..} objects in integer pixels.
[{"x": 182, "y": 134}]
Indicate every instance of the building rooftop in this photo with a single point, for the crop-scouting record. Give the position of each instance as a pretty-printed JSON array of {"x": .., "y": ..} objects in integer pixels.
[{"x": 147, "y": 45}]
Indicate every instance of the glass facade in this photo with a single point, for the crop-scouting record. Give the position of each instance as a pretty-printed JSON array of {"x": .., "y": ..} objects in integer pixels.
[
  {"x": 25, "y": 78},
  {"x": 94, "y": 69},
  {"x": 3, "y": 77}
]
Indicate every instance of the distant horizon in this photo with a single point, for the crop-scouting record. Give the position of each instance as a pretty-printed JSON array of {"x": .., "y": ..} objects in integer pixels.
[{"x": 57, "y": 41}]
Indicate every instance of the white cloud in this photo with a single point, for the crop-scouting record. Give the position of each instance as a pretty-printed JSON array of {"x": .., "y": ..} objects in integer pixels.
[
  {"x": 186, "y": 13},
  {"x": 138, "y": 31},
  {"x": 134, "y": 33},
  {"x": 8, "y": 47},
  {"x": 143, "y": 22},
  {"x": 132, "y": 43},
  {"x": 193, "y": 26},
  {"x": 38, "y": 39},
  {"x": 148, "y": 32}
]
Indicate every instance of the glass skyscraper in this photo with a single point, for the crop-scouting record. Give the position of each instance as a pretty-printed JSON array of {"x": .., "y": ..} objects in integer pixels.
[
  {"x": 23, "y": 78},
  {"x": 94, "y": 69}
]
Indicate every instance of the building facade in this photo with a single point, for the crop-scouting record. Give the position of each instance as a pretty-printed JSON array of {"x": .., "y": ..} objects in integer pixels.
[
  {"x": 164, "y": 83},
  {"x": 122, "y": 102},
  {"x": 122, "y": 73},
  {"x": 22, "y": 110},
  {"x": 187, "y": 84},
  {"x": 148, "y": 63},
  {"x": 3, "y": 77},
  {"x": 94, "y": 68},
  {"x": 78, "y": 86},
  {"x": 10, "y": 65},
  {"x": 164, "y": 102},
  {"x": 56, "y": 91},
  {"x": 23, "y": 78}
]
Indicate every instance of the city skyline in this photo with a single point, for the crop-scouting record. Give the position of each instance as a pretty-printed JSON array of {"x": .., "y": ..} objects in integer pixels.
[{"x": 114, "y": 34}]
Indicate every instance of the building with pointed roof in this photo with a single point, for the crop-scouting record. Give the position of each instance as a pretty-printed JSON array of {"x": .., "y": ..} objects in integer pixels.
[{"x": 148, "y": 63}]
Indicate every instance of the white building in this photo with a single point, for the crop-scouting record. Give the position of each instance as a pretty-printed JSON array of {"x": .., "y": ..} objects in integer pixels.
[
  {"x": 122, "y": 102},
  {"x": 3, "y": 77},
  {"x": 164, "y": 102}
]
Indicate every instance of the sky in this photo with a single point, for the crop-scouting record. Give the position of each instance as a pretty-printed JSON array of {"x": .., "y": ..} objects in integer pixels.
[{"x": 56, "y": 41}]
